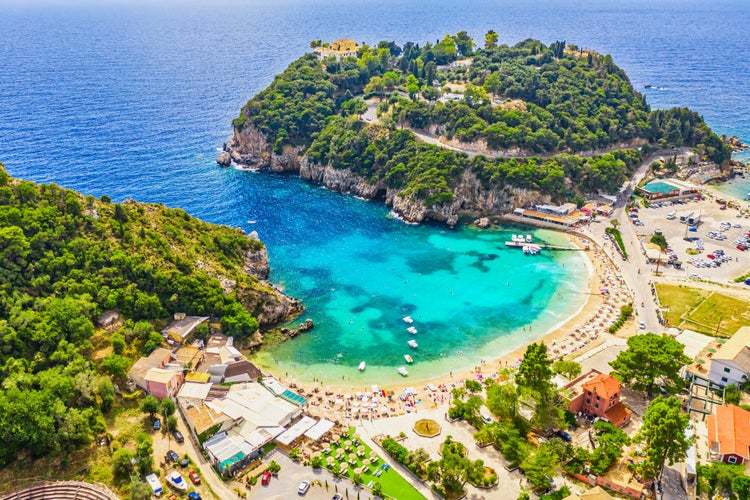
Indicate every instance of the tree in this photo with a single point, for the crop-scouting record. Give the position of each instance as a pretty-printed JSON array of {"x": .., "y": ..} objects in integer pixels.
[
  {"x": 569, "y": 369},
  {"x": 535, "y": 373},
  {"x": 741, "y": 487},
  {"x": 660, "y": 241},
  {"x": 121, "y": 466},
  {"x": 453, "y": 470},
  {"x": 464, "y": 43},
  {"x": 663, "y": 433},
  {"x": 493, "y": 84},
  {"x": 167, "y": 407},
  {"x": 116, "y": 364},
  {"x": 144, "y": 453},
  {"x": 377, "y": 490},
  {"x": 140, "y": 491},
  {"x": 540, "y": 467},
  {"x": 650, "y": 361},
  {"x": 118, "y": 343},
  {"x": 150, "y": 405},
  {"x": 490, "y": 39},
  {"x": 732, "y": 394},
  {"x": 473, "y": 386},
  {"x": 106, "y": 391},
  {"x": 502, "y": 400}
]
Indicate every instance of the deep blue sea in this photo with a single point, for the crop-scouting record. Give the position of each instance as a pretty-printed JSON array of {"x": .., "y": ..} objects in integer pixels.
[{"x": 133, "y": 99}]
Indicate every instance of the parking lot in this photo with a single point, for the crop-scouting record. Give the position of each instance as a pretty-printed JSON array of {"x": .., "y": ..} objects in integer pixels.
[{"x": 708, "y": 249}]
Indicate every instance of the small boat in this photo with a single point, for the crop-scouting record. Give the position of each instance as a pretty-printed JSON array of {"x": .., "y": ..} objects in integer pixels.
[
  {"x": 252, "y": 221},
  {"x": 175, "y": 479},
  {"x": 408, "y": 359},
  {"x": 408, "y": 319},
  {"x": 413, "y": 343},
  {"x": 411, "y": 330},
  {"x": 528, "y": 238},
  {"x": 747, "y": 196},
  {"x": 648, "y": 86},
  {"x": 402, "y": 371},
  {"x": 362, "y": 366}
]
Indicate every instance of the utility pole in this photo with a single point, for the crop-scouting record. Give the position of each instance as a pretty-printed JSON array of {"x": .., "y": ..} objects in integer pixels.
[{"x": 716, "y": 333}]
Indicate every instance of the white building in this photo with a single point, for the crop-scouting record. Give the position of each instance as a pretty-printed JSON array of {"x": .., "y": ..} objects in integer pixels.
[{"x": 731, "y": 363}]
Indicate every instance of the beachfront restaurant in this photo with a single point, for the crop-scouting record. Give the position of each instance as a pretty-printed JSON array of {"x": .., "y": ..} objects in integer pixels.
[
  {"x": 659, "y": 189},
  {"x": 566, "y": 220}
]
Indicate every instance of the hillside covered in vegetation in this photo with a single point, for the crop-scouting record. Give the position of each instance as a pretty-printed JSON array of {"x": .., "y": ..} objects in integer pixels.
[
  {"x": 557, "y": 120},
  {"x": 66, "y": 259}
]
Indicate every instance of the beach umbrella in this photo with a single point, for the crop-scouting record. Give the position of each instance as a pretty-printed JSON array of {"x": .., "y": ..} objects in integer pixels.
[
  {"x": 355, "y": 435},
  {"x": 360, "y": 449},
  {"x": 347, "y": 443},
  {"x": 347, "y": 396},
  {"x": 358, "y": 471},
  {"x": 339, "y": 401},
  {"x": 352, "y": 456},
  {"x": 359, "y": 394},
  {"x": 344, "y": 466},
  {"x": 355, "y": 410},
  {"x": 355, "y": 404},
  {"x": 335, "y": 438},
  {"x": 366, "y": 462},
  {"x": 330, "y": 460}
]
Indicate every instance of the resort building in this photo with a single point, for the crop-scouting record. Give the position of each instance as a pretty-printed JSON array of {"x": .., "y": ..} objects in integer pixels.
[
  {"x": 108, "y": 318},
  {"x": 345, "y": 47},
  {"x": 659, "y": 189},
  {"x": 596, "y": 394},
  {"x": 729, "y": 434},
  {"x": 731, "y": 363},
  {"x": 183, "y": 327},
  {"x": 559, "y": 217}
]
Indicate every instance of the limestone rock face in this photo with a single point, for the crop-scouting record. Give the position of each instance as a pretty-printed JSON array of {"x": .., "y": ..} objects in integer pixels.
[
  {"x": 250, "y": 148},
  {"x": 340, "y": 180}
]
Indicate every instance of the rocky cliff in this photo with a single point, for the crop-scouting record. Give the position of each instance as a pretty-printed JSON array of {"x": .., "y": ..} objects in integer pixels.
[{"x": 248, "y": 147}]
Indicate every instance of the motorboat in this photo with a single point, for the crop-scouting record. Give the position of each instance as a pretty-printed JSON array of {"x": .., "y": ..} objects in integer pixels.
[
  {"x": 362, "y": 366},
  {"x": 528, "y": 238},
  {"x": 411, "y": 330},
  {"x": 413, "y": 343},
  {"x": 408, "y": 359},
  {"x": 175, "y": 480},
  {"x": 408, "y": 319},
  {"x": 402, "y": 371}
]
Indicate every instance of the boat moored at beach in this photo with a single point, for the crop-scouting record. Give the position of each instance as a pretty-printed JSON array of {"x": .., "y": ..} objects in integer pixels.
[
  {"x": 411, "y": 330},
  {"x": 408, "y": 319},
  {"x": 362, "y": 366},
  {"x": 408, "y": 359},
  {"x": 402, "y": 371},
  {"x": 413, "y": 343}
]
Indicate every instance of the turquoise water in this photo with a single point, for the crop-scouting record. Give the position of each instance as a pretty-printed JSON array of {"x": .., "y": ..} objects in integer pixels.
[{"x": 134, "y": 99}]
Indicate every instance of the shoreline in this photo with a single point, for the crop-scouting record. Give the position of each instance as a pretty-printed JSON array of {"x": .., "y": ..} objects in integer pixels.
[{"x": 598, "y": 268}]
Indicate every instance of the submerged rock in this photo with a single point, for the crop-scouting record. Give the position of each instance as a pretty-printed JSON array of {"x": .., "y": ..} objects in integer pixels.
[
  {"x": 482, "y": 223},
  {"x": 224, "y": 159}
]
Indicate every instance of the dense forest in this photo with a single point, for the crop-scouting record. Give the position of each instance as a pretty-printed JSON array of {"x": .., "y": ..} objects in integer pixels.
[
  {"x": 546, "y": 104},
  {"x": 66, "y": 259}
]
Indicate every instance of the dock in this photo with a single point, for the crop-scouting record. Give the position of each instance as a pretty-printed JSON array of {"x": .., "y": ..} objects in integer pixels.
[{"x": 521, "y": 244}]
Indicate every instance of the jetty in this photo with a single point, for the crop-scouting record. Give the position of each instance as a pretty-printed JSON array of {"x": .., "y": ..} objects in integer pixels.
[{"x": 521, "y": 244}]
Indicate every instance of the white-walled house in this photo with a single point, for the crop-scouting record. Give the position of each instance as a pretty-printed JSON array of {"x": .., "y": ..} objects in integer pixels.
[{"x": 731, "y": 363}]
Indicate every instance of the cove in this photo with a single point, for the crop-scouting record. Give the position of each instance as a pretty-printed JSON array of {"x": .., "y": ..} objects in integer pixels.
[{"x": 360, "y": 271}]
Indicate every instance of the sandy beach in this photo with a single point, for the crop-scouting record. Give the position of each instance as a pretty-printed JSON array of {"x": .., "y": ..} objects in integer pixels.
[{"x": 341, "y": 402}]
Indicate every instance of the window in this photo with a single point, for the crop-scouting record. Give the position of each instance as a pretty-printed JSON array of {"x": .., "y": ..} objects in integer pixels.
[
  {"x": 732, "y": 460},
  {"x": 598, "y": 398},
  {"x": 596, "y": 405},
  {"x": 726, "y": 370},
  {"x": 724, "y": 379}
]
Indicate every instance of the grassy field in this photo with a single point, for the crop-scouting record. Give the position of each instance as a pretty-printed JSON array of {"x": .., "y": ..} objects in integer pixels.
[{"x": 703, "y": 311}]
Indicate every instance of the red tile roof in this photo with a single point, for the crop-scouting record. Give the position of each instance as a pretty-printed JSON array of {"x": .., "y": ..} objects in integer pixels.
[
  {"x": 729, "y": 431},
  {"x": 618, "y": 414},
  {"x": 604, "y": 386}
]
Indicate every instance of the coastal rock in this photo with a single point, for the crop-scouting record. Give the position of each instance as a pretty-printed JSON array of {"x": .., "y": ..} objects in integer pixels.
[
  {"x": 250, "y": 147},
  {"x": 482, "y": 223},
  {"x": 340, "y": 180},
  {"x": 734, "y": 143},
  {"x": 256, "y": 263},
  {"x": 224, "y": 159}
]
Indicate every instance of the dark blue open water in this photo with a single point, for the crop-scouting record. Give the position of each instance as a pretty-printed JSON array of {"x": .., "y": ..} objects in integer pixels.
[{"x": 133, "y": 100}]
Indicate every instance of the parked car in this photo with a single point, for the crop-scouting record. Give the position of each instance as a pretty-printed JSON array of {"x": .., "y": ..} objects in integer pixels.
[
  {"x": 173, "y": 457},
  {"x": 565, "y": 436},
  {"x": 194, "y": 477},
  {"x": 178, "y": 436},
  {"x": 303, "y": 487},
  {"x": 194, "y": 496},
  {"x": 337, "y": 496},
  {"x": 157, "y": 424},
  {"x": 642, "y": 325},
  {"x": 265, "y": 478}
]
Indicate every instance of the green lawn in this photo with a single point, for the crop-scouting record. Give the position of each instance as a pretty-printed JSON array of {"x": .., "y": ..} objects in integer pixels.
[
  {"x": 680, "y": 300},
  {"x": 701, "y": 310},
  {"x": 394, "y": 485}
]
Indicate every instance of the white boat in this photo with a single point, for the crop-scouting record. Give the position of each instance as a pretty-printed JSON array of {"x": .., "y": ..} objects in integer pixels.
[
  {"x": 747, "y": 196},
  {"x": 411, "y": 330},
  {"x": 408, "y": 359},
  {"x": 175, "y": 479},
  {"x": 526, "y": 249},
  {"x": 362, "y": 366},
  {"x": 408, "y": 319},
  {"x": 528, "y": 238},
  {"x": 402, "y": 370},
  {"x": 413, "y": 343}
]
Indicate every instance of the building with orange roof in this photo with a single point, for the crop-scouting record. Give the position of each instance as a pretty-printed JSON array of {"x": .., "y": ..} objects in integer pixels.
[
  {"x": 729, "y": 434},
  {"x": 596, "y": 394}
]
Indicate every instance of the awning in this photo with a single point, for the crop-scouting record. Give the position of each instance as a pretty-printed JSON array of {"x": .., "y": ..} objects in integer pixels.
[{"x": 318, "y": 430}]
